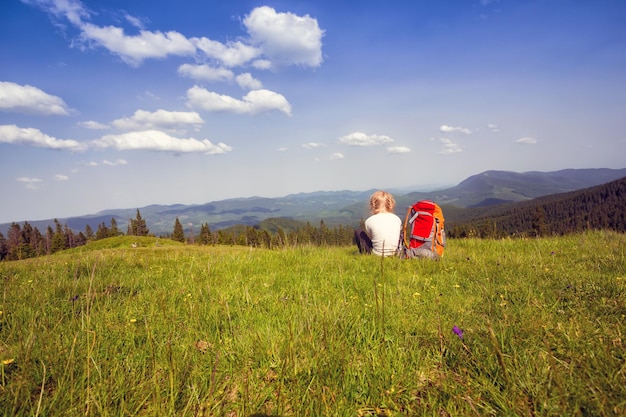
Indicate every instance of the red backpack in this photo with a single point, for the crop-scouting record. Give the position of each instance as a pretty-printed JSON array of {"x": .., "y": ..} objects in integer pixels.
[{"x": 423, "y": 234}]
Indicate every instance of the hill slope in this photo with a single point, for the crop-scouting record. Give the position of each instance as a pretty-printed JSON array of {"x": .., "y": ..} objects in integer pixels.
[
  {"x": 599, "y": 207},
  {"x": 495, "y": 187}
]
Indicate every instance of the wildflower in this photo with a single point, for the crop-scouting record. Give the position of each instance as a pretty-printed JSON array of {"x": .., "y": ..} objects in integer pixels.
[
  {"x": 457, "y": 286},
  {"x": 457, "y": 332},
  {"x": 8, "y": 361},
  {"x": 133, "y": 320},
  {"x": 416, "y": 294}
]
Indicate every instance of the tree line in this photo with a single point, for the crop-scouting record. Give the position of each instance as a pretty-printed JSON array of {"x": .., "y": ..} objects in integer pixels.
[{"x": 26, "y": 241}]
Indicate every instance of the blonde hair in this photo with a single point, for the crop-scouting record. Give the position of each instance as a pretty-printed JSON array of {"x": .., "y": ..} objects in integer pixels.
[{"x": 382, "y": 201}]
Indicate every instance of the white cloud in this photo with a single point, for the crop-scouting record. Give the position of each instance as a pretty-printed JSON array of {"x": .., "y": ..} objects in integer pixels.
[
  {"x": 336, "y": 156},
  {"x": 398, "y": 150},
  {"x": 246, "y": 80},
  {"x": 145, "y": 120},
  {"x": 135, "y": 49},
  {"x": 31, "y": 183},
  {"x": 61, "y": 177},
  {"x": 72, "y": 10},
  {"x": 29, "y": 99},
  {"x": 256, "y": 101},
  {"x": 451, "y": 129},
  {"x": 131, "y": 49},
  {"x": 262, "y": 64},
  {"x": 114, "y": 163},
  {"x": 313, "y": 145},
  {"x": 90, "y": 124},
  {"x": 30, "y": 136},
  {"x": 285, "y": 38},
  {"x": 159, "y": 141},
  {"x": 28, "y": 180},
  {"x": 526, "y": 141},
  {"x": 205, "y": 72},
  {"x": 449, "y": 147},
  {"x": 233, "y": 54},
  {"x": 136, "y": 22},
  {"x": 274, "y": 39},
  {"x": 362, "y": 139}
]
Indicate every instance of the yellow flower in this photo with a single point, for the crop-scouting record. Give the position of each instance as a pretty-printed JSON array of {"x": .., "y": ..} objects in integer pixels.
[
  {"x": 133, "y": 320},
  {"x": 416, "y": 294},
  {"x": 8, "y": 361},
  {"x": 457, "y": 286}
]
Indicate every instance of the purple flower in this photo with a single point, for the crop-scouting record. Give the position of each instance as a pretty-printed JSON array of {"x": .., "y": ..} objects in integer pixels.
[{"x": 457, "y": 332}]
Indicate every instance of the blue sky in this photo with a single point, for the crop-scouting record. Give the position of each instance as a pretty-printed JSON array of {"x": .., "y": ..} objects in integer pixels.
[{"x": 122, "y": 104}]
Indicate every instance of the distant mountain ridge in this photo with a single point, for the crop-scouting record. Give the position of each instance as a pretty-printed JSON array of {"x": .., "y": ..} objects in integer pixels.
[
  {"x": 344, "y": 207},
  {"x": 496, "y": 187},
  {"x": 598, "y": 207}
]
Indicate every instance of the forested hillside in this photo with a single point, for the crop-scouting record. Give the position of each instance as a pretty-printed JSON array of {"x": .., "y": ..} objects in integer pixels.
[{"x": 600, "y": 207}]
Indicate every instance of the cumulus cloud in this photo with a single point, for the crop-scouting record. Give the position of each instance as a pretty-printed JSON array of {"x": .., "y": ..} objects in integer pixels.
[
  {"x": 451, "y": 129},
  {"x": 285, "y": 38},
  {"x": 205, "y": 72},
  {"x": 93, "y": 125},
  {"x": 398, "y": 150},
  {"x": 246, "y": 80},
  {"x": 256, "y": 101},
  {"x": 134, "y": 49},
  {"x": 160, "y": 119},
  {"x": 274, "y": 38},
  {"x": 336, "y": 156},
  {"x": 159, "y": 141},
  {"x": 61, "y": 177},
  {"x": 493, "y": 127},
  {"x": 362, "y": 139},
  {"x": 526, "y": 141},
  {"x": 231, "y": 54},
  {"x": 30, "y": 136},
  {"x": 29, "y": 99},
  {"x": 449, "y": 147}
]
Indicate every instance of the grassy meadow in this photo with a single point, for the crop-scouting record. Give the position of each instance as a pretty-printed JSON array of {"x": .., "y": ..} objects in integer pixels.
[{"x": 531, "y": 327}]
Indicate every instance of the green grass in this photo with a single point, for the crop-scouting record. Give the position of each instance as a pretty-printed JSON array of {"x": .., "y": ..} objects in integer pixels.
[{"x": 167, "y": 329}]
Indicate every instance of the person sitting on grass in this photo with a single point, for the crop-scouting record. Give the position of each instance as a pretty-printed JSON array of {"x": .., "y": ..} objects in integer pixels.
[{"x": 382, "y": 229}]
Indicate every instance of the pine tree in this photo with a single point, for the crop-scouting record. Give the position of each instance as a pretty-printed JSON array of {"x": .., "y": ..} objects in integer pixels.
[
  {"x": 114, "y": 231},
  {"x": 3, "y": 247},
  {"x": 179, "y": 233},
  {"x": 58, "y": 238},
  {"x": 103, "y": 231},
  {"x": 89, "y": 233},
  {"x": 205, "y": 237},
  {"x": 137, "y": 226}
]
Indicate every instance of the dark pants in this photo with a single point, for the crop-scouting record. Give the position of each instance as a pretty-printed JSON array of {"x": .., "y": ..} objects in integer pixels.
[{"x": 363, "y": 241}]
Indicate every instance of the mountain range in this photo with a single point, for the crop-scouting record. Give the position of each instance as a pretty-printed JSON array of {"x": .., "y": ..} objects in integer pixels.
[{"x": 345, "y": 207}]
